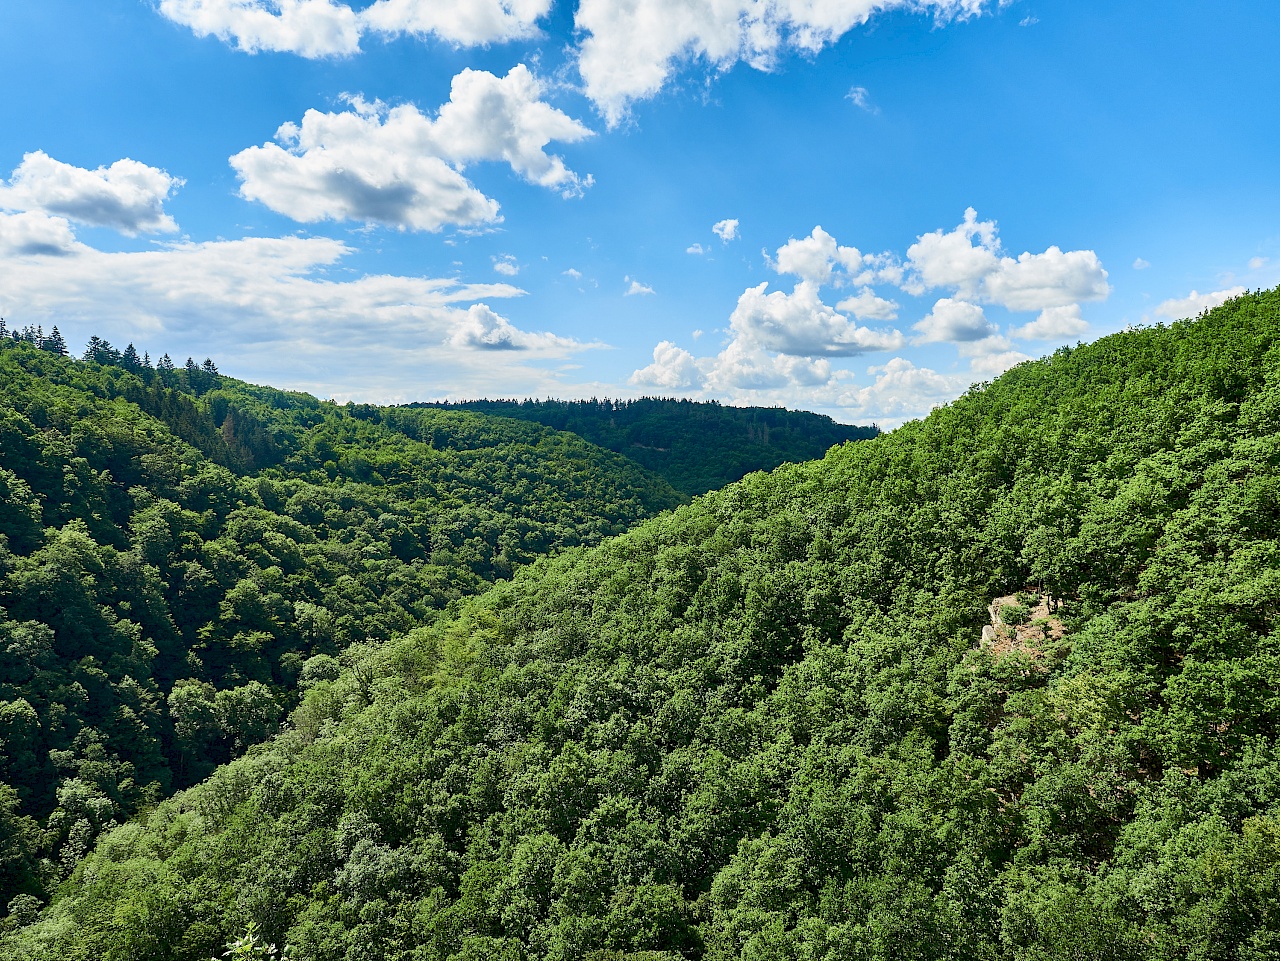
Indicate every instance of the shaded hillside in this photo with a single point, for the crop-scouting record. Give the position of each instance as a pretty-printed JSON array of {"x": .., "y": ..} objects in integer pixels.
[
  {"x": 160, "y": 602},
  {"x": 770, "y": 725},
  {"x": 696, "y": 446}
]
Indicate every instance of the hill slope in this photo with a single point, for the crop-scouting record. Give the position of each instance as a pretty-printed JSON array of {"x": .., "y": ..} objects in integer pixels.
[
  {"x": 770, "y": 725},
  {"x": 159, "y": 602},
  {"x": 696, "y": 446}
]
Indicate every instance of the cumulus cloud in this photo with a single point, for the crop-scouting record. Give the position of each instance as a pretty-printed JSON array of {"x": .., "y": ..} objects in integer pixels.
[
  {"x": 397, "y": 167},
  {"x": 631, "y": 47},
  {"x": 311, "y": 28},
  {"x": 954, "y": 321},
  {"x": 33, "y": 233},
  {"x": 865, "y": 305},
  {"x": 743, "y": 365},
  {"x": 506, "y": 265},
  {"x": 636, "y": 289},
  {"x": 482, "y": 329},
  {"x": 467, "y": 22},
  {"x": 673, "y": 368},
  {"x": 814, "y": 257},
  {"x": 989, "y": 366},
  {"x": 1196, "y": 303},
  {"x": 969, "y": 260},
  {"x": 324, "y": 28},
  {"x": 696, "y": 249},
  {"x": 901, "y": 391},
  {"x": 1054, "y": 323},
  {"x": 1140, "y": 264},
  {"x": 128, "y": 196},
  {"x": 726, "y": 230},
  {"x": 799, "y": 324}
]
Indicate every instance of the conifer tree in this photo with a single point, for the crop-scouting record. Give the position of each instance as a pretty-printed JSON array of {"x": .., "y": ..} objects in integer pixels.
[
  {"x": 209, "y": 367},
  {"x": 165, "y": 364},
  {"x": 130, "y": 359},
  {"x": 55, "y": 343},
  {"x": 94, "y": 348}
]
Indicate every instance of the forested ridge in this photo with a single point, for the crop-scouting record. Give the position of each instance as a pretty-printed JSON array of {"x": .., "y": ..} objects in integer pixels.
[
  {"x": 180, "y": 551},
  {"x": 770, "y": 725},
  {"x": 697, "y": 446}
]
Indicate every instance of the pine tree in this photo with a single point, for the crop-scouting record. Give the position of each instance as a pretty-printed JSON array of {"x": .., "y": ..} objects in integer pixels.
[
  {"x": 130, "y": 359},
  {"x": 4, "y": 331},
  {"x": 94, "y": 348},
  {"x": 55, "y": 343},
  {"x": 209, "y": 367},
  {"x": 165, "y": 364}
]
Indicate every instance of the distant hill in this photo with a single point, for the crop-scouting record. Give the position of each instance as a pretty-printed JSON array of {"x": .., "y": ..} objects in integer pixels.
[
  {"x": 697, "y": 446},
  {"x": 180, "y": 550},
  {"x": 1000, "y": 685}
]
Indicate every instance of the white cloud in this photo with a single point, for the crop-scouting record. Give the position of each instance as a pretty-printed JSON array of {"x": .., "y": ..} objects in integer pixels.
[
  {"x": 745, "y": 366},
  {"x": 636, "y": 289},
  {"x": 1141, "y": 264},
  {"x": 482, "y": 329},
  {"x": 311, "y": 28},
  {"x": 506, "y": 265},
  {"x": 1054, "y": 323},
  {"x": 128, "y": 196},
  {"x": 861, "y": 97},
  {"x": 324, "y": 28},
  {"x": 1196, "y": 303},
  {"x": 969, "y": 260},
  {"x": 799, "y": 324},
  {"x": 270, "y": 305},
  {"x": 954, "y": 321},
  {"x": 952, "y": 259},
  {"x": 574, "y": 273},
  {"x": 467, "y": 22},
  {"x": 397, "y": 167},
  {"x": 989, "y": 366},
  {"x": 631, "y": 47},
  {"x": 492, "y": 118},
  {"x": 865, "y": 305},
  {"x": 1028, "y": 21},
  {"x": 726, "y": 230},
  {"x": 1257, "y": 263},
  {"x": 1052, "y": 279},
  {"x": 673, "y": 368},
  {"x": 695, "y": 249},
  {"x": 33, "y": 233},
  {"x": 902, "y": 391},
  {"x": 812, "y": 258}
]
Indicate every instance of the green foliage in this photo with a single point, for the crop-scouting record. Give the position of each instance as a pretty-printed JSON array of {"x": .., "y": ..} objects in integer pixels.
[
  {"x": 763, "y": 727},
  {"x": 177, "y": 547},
  {"x": 696, "y": 446}
]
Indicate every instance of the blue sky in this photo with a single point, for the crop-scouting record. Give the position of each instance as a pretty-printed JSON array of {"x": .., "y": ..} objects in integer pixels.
[{"x": 847, "y": 206}]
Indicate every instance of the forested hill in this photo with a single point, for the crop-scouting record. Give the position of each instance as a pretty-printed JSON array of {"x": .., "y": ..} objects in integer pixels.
[
  {"x": 696, "y": 446},
  {"x": 180, "y": 550},
  {"x": 771, "y": 725}
]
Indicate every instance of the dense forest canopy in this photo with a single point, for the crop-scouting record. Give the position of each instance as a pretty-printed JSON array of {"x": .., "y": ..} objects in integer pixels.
[
  {"x": 180, "y": 551},
  {"x": 697, "y": 446},
  {"x": 1001, "y": 684}
]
